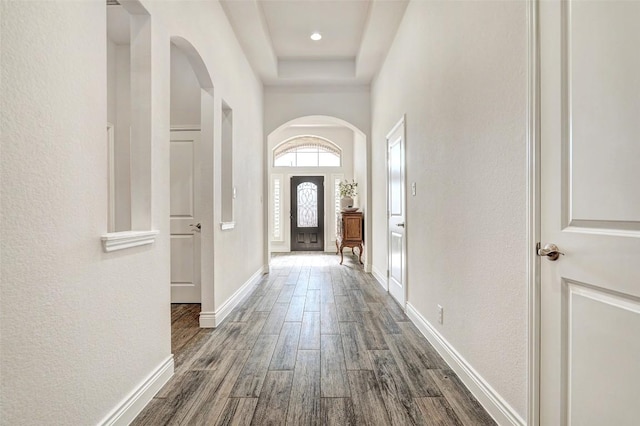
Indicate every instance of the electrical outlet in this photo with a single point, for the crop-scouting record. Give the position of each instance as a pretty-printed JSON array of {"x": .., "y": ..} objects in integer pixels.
[
  {"x": 413, "y": 189},
  {"x": 440, "y": 314}
]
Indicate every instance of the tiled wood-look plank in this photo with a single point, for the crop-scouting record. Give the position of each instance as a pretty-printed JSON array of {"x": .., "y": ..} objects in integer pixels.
[
  {"x": 437, "y": 412},
  {"x": 185, "y": 326},
  {"x": 286, "y": 293},
  {"x": 312, "y": 303},
  {"x": 315, "y": 281},
  {"x": 215, "y": 348},
  {"x": 302, "y": 286},
  {"x": 249, "y": 383},
  {"x": 339, "y": 289},
  {"x": 355, "y": 351},
  {"x": 284, "y": 355},
  {"x": 418, "y": 343},
  {"x": 268, "y": 300},
  {"x": 304, "y": 405},
  {"x": 179, "y": 400},
  {"x": 186, "y": 352},
  {"x": 391, "y": 377},
  {"x": 413, "y": 367},
  {"x": 357, "y": 300},
  {"x": 466, "y": 407},
  {"x": 368, "y": 404},
  {"x": 344, "y": 308},
  {"x": 275, "y": 319},
  {"x": 177, "y": 311},
  {"x": 211, "y": 347},
  {"x": 274, "y": 399},
  {"x": 243, "y": 312},
  {"x": 237, "y": 412},
  {"x": 337, "y": 412},
  {"x": 202, "y": 399},
  {"x": 326, "y": 292},
  {"x": 333, "y": 371},
  {"x": 384, "y": 320},
  {"x": 212, "y": 407},
  {"x": 250, "y": 331},
  {"x": 310, "y": 332},
  {"x": 370, "y": 330},
  {"x": 296, "y": 309},
  {"x": 292, "y": 278},
  {"x": 329, "y": 319},
  {"x": 396, "y": 395}
]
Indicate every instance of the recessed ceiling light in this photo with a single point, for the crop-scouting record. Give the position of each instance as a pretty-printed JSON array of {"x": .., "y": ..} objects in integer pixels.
[{"x": 316, "y": 36}]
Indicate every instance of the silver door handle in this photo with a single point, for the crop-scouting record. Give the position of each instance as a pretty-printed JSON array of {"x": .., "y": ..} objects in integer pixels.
[
  {"x": 551, "y": 251},
  {"x": 198, "y": 226},
  {"x": 401, "y": 225}
]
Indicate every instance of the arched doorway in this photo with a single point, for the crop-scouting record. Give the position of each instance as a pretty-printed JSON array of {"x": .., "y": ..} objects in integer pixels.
[
  {"x": 348, "y": 140},
  {"x": 191, "y": 211}
]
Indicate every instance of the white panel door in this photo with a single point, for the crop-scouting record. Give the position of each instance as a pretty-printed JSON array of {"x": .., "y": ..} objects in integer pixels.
[
  {"x": 396, "y": 231},
  {"x": 590, "y": 208},
  {"x": 185, "y": 232}
]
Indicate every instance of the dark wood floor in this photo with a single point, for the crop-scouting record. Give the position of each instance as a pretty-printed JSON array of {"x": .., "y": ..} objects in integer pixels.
[{"x": 316, "y": 343}]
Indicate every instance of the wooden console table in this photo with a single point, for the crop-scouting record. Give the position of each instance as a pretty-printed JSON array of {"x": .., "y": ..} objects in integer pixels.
[{"x": 350, "y": 232}]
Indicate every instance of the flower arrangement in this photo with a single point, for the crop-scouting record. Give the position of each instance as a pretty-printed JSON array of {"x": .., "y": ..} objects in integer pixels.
[{"x": 348, "y": 189}]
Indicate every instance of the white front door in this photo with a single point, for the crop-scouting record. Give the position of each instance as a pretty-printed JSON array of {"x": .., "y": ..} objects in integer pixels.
[
  {"x": 185, "y": 232},
  {"x": 590, "y": 208},
  {"x": 396, "y": 232}
]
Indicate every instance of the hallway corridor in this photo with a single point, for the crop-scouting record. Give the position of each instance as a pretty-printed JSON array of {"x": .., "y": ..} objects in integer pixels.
[{"x": 315, "y": 343}]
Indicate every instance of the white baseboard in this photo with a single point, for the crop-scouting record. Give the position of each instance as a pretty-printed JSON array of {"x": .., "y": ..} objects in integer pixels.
[
  {"x": 381, "y": 278},
  {"x": 495, "y": 405},
  {"x": 135, "y": 402},
  {"x": 214, "y": 319}
]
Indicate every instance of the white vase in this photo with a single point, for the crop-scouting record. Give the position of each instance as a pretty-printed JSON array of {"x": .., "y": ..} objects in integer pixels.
[{"x": 346, "y": 203}]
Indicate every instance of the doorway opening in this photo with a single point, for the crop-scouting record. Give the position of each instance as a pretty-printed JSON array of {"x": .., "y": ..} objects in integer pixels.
[{"x": 191, "y": 176}]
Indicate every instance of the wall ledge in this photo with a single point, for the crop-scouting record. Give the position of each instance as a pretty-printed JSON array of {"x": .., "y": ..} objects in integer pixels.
[
  {"x": 123, "y": 240},
  {"x": 136, "y": 401},
  {"x": 493, "y": 402},
  {"x": 225, "y": 226},
  {"x": 214, "y": 319}
]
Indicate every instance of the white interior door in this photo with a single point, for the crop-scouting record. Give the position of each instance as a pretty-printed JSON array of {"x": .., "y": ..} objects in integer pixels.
[
  {"x": 185, "y": 231},
  {"x": 396, "y": 231},
  {"x": 590, "y": 208}
]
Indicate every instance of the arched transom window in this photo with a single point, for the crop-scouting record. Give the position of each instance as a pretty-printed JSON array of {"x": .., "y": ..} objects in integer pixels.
[{"x": 307, "y": 151}]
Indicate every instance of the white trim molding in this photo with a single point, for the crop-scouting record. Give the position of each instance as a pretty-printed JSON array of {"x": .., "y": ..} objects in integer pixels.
[
  {"x": 214, "y": 319},
  {"x": 380, "y": 277},
  {"x": 533, "y": 213},
  {"x": 135, "y": 402},
  {"x": 495, "y": 404},
  {"x": 185, "y": 127},
  {"x": 123, "y": 240}
]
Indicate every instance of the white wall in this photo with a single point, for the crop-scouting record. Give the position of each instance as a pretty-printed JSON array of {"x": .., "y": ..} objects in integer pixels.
[
  {"x": 204, "y": 24},
  {"x": 341, "y": 136},
  {"x": 185, "y": 91},
  {"x": 81, "y": 329},
  {"x": 463, "y": 89}
]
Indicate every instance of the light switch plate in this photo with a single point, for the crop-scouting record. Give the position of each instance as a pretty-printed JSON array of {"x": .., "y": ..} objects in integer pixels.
[{"x": 413, "y": 189}]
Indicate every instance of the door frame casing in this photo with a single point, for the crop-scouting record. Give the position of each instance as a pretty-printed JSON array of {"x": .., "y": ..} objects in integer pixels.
[
  {"x": 400, "y": 123},
  {"x": 533, "y": 212}
]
